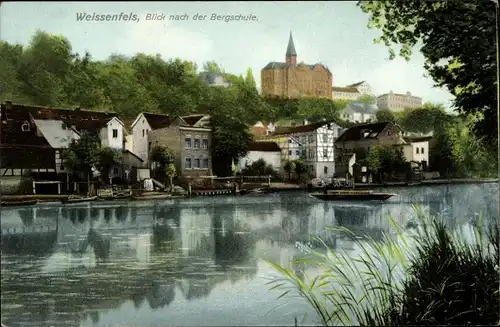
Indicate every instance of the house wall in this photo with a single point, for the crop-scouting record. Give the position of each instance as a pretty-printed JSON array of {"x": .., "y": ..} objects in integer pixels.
[
  {"x": 297, "y": 81},
  {"x": 357, "y": 117},
  {"x": 140, "y": 132},
  {"x": 196, "y": 154},
  {"x": 398, "y": 102},
  {"x": 271, "y": 158},
  {"x": 418, "y": 151},
  {"x": 174, "y": 137},
  {"x": 106, "y": 134},
  {"x": 129, "y": 142},
  {"x": 324, "y": 166},
  {"x": 340, "y": 95}
]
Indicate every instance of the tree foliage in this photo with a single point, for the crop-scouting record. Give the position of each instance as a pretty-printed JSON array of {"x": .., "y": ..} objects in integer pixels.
[
  {"x": 107, "y": 158},
  {"x": 459, "y": 53},
  {"x": 385, "y": 158},
  {"x": 366, "y": 98},
  {"x": 385, "y": 115}
]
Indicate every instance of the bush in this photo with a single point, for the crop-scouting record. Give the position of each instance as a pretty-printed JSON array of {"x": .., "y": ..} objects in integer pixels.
[{"x": 428, "y": 277}]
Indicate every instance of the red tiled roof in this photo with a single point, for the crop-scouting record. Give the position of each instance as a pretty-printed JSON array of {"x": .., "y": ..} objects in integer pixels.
[
  {"x": 264, "y": 147},
  {"x": 157, "y": 121},
  {"x": 258, "y": 131},
  {"x": 302, "y": 128},
  {"x": 81, "y": 119}
]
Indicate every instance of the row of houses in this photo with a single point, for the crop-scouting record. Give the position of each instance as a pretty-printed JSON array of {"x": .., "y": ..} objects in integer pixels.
[
  {"x": 328, "y": 150},
  {"x": 33, "y": 138}
]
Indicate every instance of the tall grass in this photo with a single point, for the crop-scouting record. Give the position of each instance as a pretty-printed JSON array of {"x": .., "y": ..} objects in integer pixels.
[{"x": 428, "y": 275}]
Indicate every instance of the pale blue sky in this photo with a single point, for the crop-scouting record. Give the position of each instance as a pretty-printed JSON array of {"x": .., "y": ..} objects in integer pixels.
[{"x": 333, "y": 33}]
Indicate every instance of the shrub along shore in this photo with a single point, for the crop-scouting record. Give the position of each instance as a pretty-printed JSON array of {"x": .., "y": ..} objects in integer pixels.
[{"x": 425, "y": 276}]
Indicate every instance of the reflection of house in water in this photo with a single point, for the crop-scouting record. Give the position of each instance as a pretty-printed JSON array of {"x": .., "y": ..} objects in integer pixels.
[{"x": 161, "y": 294}]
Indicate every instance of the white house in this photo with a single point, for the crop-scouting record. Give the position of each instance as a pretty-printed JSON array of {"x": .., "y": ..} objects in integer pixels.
[
  {"x": 417, "y": 149},
  {"x": 112, "y": 134},
  {"x": 313, "y": 143},
  {"x": 345, "y": 93},
  {"x": 358, "y": 112},
  {"x": 270, "y": 152},
  {"x": 363, "y": 87},
  {"x": 144, "y": 123}
]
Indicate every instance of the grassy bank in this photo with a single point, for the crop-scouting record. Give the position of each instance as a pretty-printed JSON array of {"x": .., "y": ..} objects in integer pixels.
[{"x": 428, "y": 275}]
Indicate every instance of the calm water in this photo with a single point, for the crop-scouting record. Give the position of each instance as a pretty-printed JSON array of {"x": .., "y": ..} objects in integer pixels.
[{"x": 188, "y": 262}]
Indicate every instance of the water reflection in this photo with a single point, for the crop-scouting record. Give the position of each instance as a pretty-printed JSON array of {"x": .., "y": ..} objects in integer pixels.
[{"x": 92, "y": 259}]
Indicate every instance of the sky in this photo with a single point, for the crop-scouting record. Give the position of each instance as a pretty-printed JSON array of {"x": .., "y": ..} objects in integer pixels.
[{"x": 334, "y": 33}]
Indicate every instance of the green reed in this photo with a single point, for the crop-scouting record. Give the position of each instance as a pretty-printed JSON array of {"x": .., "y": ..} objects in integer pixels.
[{"x": 427, "y": 275}]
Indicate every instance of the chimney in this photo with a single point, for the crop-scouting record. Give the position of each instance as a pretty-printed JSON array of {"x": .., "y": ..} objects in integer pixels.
[{"x": 8, "y": 104}]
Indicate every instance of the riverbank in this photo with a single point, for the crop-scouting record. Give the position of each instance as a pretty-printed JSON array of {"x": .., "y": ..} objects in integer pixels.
[{"x": 273, "y": 187}]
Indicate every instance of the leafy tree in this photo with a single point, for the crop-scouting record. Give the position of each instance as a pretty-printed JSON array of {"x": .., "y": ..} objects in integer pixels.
[
  {"x": 82, "y": 155},
  {"x": 300, "y": 168},
  {"x": 385, "y": 115},
  {"x": 259, "y": 168},
  {"x": 164, "y": 160},
  {"x": 459, "y": 53},
  {"x": 107, "y": 158},
  {"x": 365, "y": 98},
  {"x": 171, "y": 172},
  {"x": 249, "y": 79},
  {"x": 213, "y": 67},
  {"x": 425, "y": 119},
  {"x": 289, "y": 168},
  {"x": 385, "y": 159}
]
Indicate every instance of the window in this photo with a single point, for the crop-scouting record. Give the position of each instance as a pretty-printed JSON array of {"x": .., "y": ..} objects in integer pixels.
[
  {"x": 311, "y": 139},
  {"x": 422, "y": 150},
  {"x": 204, "y": 143},
  {"x": 325, "y": 153},
  {"x": 289, "y": 152},
  {"x": 115, "y": 133},
  {"x": 25, "y": 127},
  {"x": 196, "y": 163},
  {"x": 115, "y": 170},
  {"x": 417, "y": 150},
  {"x": 187, "y": 143},
  {"x": 325, "y": 170},
  {"x": 289, "y": 140},
  {"x": 297, "y": 152},
  {"x": 187, "y": 163},
  {"x": 325, "y": 138},
  {"x": 143, "y": 133},
  {"x": 204, "y": 163},
  {"x": 196, "y": 144}
]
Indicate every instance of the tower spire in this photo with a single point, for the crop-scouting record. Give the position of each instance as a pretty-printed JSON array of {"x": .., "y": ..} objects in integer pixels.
[
  {"x": 291, "y": 54},
  {"x": 290, "y": 50}
]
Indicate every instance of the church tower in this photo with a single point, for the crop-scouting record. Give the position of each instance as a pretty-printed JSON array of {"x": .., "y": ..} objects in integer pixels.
[{"x": 291, "y": 54}]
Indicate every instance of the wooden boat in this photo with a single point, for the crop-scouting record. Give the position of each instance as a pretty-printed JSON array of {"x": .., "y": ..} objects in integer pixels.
[
  {"x": 345, "y": 195},
  {"x": 79, "y": 199},
  {"x": 18, "y": 203},
  {"x": 253, "y": 191},
  {"x": 153, "y": 197}
]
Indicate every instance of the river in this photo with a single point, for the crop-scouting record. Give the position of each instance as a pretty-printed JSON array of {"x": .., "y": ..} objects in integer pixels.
[{"x": 188, "y": 262}]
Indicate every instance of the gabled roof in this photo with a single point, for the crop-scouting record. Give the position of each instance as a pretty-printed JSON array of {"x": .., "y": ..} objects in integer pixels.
[
  {"x": 282, "y": 65},
  {"x": 264, "y": 147},
  {"x": 361, "y": 107},
  {"x": 157, "y": 121},
  {"x": 193, "y": 119},
  {"x": 414, "y": 139},
  {"x": 302, "y": 128},
  {"x": 363, "y": 131},
  {"x": 345, "y": 89},
  {"x": 355, "y": 84}
]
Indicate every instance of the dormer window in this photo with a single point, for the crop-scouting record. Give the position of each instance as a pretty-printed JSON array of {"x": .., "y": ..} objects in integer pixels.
[
  {"x": 25, "y": 127},
  {"x": 84, "y": 118},
  {"x": 63, "y": 117},
  {"x": 72, "y": 117},
  {"x": 94, "y": 118}
]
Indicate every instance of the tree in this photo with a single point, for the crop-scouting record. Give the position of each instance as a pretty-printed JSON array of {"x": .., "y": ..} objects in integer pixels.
[
  {"x": 249, "y": 79},
  {"x": 425, "y": 119},
  {"x": 163, "y": 158},
  {"x": 365, "y": 98},
  {"x": 459, "y": 53},
  {"x": 82, "y": 156},
  {"x": 108, "y": 158},
  {"x": 171, "y": 172},
  {"x": 385, "y": 115},
  {"x": 289, "y": 168},
  {"x": 386, "y": 159},
  {"x": 300, "y": 168}
]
